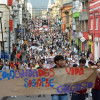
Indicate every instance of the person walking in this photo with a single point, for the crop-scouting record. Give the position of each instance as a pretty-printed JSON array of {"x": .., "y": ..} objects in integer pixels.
[
  {"x": 59, "y": 61},
  {"x": 80, "y": 95},
  {"x": 96, "y": 89}
]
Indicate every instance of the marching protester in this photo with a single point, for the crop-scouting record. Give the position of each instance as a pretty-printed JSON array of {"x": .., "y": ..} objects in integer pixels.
[
  {"x": 96, "y": 89},
  {"x": 80, "y": 95},
  {"x": 59, "y": 61}
]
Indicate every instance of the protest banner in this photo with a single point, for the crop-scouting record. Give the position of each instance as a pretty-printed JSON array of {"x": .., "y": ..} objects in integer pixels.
[{"x": 48, "y": 81}]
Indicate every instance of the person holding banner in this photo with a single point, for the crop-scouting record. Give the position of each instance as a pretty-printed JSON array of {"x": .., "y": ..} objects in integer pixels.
[
  {"x": 59, "y": 61},
  {"x": 80, "y": 95},
  {"x": 96, "y": 89}
]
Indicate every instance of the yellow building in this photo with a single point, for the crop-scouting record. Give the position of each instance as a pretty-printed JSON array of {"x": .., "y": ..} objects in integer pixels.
[
  {"x": 56, "y": 12},
  {"x": 44, "y": 13}
]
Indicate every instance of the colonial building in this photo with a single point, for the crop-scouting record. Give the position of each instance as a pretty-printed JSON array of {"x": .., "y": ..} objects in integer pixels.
[
  {"x": 56, "y": 9},
  {"x": 66, "y": 15},
  {"x": 4, "y": 28},
  {"x": 83, "y": 18},
  {"x": 94, "y": 27},
  {"x": 77, "y": 35}
]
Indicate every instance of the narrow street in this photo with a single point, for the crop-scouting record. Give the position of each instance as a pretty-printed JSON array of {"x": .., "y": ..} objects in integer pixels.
[{"x": 50, "y": 47}]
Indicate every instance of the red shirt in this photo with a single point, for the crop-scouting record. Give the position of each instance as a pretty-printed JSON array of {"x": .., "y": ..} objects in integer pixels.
[
  {"x": 18, "y": 56},
  {"x": 97, "y": 84},
  {"x": 12, "y": 65}
]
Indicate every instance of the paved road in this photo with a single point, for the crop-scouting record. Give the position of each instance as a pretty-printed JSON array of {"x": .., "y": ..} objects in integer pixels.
[{"x": 47, "y": 97}]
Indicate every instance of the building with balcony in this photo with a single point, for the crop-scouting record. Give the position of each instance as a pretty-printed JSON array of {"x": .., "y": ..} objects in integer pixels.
[
  {"x": 56, "y": 13},
  {"x": 83, "y": 18},
  {"x": 66, "y": 16},
  {"x": 94, "y": 29},
  {"x": 77, "y": 7}
]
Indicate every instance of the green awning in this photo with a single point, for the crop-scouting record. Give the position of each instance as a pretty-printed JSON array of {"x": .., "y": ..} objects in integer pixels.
[{"x": 75, "y": 15}]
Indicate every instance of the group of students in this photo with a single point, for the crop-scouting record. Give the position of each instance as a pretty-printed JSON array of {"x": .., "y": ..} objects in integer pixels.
[{"x": 78, "y": 95}]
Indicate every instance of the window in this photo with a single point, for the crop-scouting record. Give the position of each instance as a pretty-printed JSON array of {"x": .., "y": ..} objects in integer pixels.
[
  {"x": 91, "y": 24},
  {"x": 96, "y": 23}
]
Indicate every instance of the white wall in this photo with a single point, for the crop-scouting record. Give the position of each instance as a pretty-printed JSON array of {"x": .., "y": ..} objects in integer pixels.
[{"x": 5, "y": 23}]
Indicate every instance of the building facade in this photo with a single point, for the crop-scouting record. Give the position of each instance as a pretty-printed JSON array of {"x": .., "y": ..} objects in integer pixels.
[
  {"x": 94, "y": 29},
  {"x": 66, "y": 15},
  {"x": 4, "y": 33},
  {"x": 77, "y": 35},
  {"x": 83, "y": 18}
]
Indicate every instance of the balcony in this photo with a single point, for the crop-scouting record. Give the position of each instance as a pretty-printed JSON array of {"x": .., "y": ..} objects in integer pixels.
[{"x": 83, "y": 16}]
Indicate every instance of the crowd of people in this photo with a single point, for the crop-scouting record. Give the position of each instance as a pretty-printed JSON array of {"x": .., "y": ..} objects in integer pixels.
[{"x": 52, "y": 49}]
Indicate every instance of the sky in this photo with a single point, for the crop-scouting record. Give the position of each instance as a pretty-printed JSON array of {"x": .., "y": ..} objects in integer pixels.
[{"x": 38, "y": 5}]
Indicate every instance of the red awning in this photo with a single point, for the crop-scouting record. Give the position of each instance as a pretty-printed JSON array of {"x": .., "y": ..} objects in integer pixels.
[{"x": 86, "y": 35}]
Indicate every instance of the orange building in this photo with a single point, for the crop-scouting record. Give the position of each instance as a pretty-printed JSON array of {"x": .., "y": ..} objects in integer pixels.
[{"x": 66, "y": 16}]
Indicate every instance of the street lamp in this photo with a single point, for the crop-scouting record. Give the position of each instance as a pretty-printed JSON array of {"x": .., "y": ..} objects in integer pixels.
[{"x": 1, "y": 15}]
